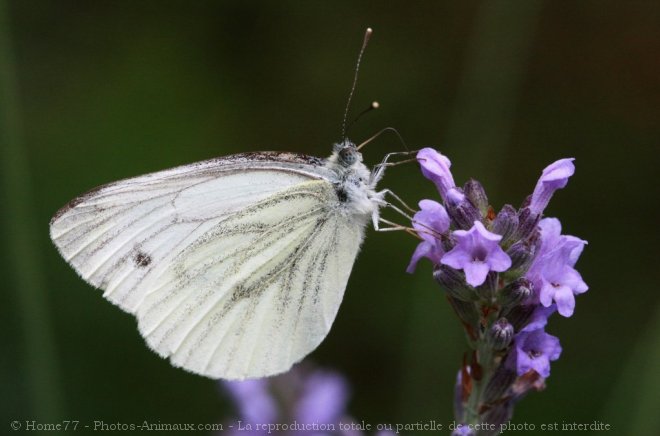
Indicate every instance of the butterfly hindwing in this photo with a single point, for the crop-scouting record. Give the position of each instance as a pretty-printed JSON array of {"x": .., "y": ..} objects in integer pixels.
[{"x": 236, "y": 308}]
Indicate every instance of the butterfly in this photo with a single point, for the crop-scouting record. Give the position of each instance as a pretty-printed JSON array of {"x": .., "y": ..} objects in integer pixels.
[{"x": 234, "y": 267}]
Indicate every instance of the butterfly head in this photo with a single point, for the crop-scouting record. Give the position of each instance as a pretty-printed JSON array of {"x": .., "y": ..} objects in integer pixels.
[{"x": 345, "y": 154}]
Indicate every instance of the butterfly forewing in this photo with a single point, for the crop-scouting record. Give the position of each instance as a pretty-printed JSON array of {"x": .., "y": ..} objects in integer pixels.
[{"x": 234, "y": 267}]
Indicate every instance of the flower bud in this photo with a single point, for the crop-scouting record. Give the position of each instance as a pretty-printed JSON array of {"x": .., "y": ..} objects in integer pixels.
[
  {"x": 520, "y": 315},
  {"x": 506, "y": 222},
  {"x": 498, "y": 416},
  {"x": 522, "y": 255},
  {"x": 447, "y": 242},
  {"x": 486, "y": 291},
  {"x": 500, "y": 334},
  {"x": 453, "y": 282},
  {"x": 467, "y": 313},
  {"x": 463, "y": 214},
  {"x": 527, "y": 222},
  {"x": 516, "y": 292},
  {"x": 499, "y": 384},
  {"x": 477, "y": 195}
]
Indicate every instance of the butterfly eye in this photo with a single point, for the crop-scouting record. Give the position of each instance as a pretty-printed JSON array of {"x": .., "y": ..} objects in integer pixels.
[{"x": 348, "y": 156}]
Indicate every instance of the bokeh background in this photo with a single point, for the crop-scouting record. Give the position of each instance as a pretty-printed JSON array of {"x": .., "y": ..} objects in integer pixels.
[{"x": 91, "y": 92}]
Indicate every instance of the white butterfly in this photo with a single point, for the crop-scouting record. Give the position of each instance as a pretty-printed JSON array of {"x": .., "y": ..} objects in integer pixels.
[{"x": 234, "y": 267}]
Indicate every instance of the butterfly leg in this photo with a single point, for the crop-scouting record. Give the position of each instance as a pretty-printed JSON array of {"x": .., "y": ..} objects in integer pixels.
[
  {"x": 396, "y": 209},
  {"x": 397, "y": 198},
  {"x": 380, "y": 199},
  {"x": 414, "y": 231},
  {"x": 394, "y": 227},
  {"x": 377, "y": 219},
  {"x": 379, "y": 170}
]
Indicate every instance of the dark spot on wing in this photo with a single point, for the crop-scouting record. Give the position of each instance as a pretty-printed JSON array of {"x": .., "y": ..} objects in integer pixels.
[{"x": 142, "y": 259}]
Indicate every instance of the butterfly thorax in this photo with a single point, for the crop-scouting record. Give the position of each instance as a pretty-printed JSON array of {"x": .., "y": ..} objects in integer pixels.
[{"x": 356, "y": 194}]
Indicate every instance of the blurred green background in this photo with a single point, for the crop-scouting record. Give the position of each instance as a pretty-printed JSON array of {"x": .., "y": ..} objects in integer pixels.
[{"x": 91, "y": 92}]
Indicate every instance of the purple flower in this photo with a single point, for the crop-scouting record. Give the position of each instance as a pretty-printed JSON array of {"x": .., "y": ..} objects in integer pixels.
[
  {"x": 476, "y": 253},
  {"x": 552, "y": 270},
  {"x": 552, "y": 239},
  {"x": 431, "y": 218},
  {"x": 534, "y": 350},
  {"x": 304, "y": 395},
  {"x": 555, "y": 176},
  {"x": 539, "y": 318},
  {"x": 323, "y": 398},
  {"x": 253, "y": 400},
  {"x": 435, "y": 167}
]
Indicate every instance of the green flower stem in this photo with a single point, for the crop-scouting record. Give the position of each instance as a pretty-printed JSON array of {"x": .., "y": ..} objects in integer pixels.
[{"x": 485, "y": 359}]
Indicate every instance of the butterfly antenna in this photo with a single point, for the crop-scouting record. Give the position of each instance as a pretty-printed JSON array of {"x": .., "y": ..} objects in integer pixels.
[
  {"x": 367, "y": 36},
  {"x": 380, "y": 132},
  {"x": 374, "y": 105}
]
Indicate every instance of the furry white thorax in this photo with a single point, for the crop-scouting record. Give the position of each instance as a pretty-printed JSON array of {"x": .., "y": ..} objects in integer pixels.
[{"x": 355, "y": 184}]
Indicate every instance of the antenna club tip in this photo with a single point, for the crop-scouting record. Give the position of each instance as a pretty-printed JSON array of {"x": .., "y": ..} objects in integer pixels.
[
  {"x": 375, "y": 105},
  {"x": 367, "y": 35}
]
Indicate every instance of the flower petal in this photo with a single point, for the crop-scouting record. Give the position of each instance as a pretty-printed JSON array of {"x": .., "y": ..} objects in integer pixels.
[
  {"x": 541, "y": 364},
  {"x": 485, "y": 234},
  {"x": 565, "y": 301},
  {"x": 423, "y": 249},
  {"x": 498, "y": 260},
  {"x": 523, "y": 362},
  {"x": 435, "y": 167},
  {"x": 456, "y": 258},
  {"x": 573, "y": 280},
  {"x": 546, "y": 293},
  {"x": 555, "y": 176},
  {"x": 431, "y": 217},
  {"x": 574, "y": 247},
  {"x": 539, "y": 318},
  {"x": 475, "y": 273}
]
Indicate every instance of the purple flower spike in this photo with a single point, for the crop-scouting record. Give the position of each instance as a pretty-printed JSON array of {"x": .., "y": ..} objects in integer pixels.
[
  {"x": 534, "y": 350},
  {"x": 552, "y": 271},
  {"x": 305, "y": 395},
  {"x": 435, "y": 167},
  {"x": 323, "y": 399},
  {"x": 253, "y": 400},
  {"x": 477, "y": 252},
  {"x": 431, "y": 218},
  {"x": 555, "y": 176}
]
